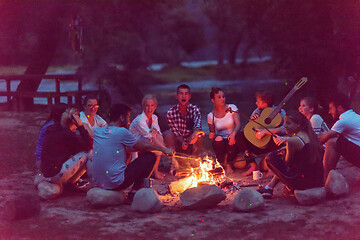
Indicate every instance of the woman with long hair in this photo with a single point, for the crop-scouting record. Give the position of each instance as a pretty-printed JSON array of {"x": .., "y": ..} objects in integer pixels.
[
  {"x": 224, "y": 123},
  {"x": 309, "y": 107},
  {"x": 301, "y": 166}
]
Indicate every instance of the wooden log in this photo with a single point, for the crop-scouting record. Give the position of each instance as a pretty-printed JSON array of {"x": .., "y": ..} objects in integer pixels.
[
  {"x": 21, "y": 207},
  {"x": 181, "y": 185}
]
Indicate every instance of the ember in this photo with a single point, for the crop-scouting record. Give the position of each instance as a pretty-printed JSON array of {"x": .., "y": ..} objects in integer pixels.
[{"x": 197, "y": 171}]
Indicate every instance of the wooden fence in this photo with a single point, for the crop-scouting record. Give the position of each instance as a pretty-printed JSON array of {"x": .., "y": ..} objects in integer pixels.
[{"x": 16, "y": 98}]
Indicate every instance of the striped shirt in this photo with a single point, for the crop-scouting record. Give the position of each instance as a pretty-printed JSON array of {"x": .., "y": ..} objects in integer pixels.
[
  {"x": 184, "y": 126},
  {"x": 318, "y": 124}
]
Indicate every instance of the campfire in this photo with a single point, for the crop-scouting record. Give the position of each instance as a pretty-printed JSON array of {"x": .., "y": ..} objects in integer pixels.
[{"x": 197, "y": 171}]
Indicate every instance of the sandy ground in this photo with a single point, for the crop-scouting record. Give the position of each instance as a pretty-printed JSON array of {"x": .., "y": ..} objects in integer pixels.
[{"x": 71, "y": 217}]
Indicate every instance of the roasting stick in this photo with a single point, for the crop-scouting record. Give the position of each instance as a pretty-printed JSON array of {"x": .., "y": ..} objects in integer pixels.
[{"x": 174, "y": 155}]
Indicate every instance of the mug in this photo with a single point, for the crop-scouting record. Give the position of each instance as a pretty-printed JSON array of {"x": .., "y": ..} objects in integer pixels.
[{"x": 257, "y": 175}]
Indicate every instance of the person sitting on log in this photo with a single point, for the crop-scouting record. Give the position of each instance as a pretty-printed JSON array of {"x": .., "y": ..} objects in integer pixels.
[
  {"x": 65, "y": 153},
  {"x": 145, "y": 127},
  {"x": 224, "y": 123},
  {"x": 301, "y": 165},
  {"x": 109, "y": 155}
]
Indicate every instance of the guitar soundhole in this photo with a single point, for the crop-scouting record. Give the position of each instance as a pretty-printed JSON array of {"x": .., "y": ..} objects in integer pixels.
[{"x": 267, "y": 121}]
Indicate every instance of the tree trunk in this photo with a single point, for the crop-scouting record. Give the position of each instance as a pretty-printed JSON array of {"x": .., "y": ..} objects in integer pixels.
[
  {"x": 233, "y": 51},
  {"x": 49, "y": 35}
]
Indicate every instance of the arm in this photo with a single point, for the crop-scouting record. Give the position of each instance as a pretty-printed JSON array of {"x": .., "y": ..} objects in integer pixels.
[
  {"x": 172, "y": 124},
  {"x": 326, "y": 136},
  {"x": 141, "y": 146},
  {"x": 318, "y": 125},
  {"x": 255, "y": 114},
  {"x": 140, "y": 125},
  {"x": 102, "y": 122},
  {"x": 197, "y": 126},
  {"x": 155, "y": 130},
  {"x": 262, "y": 132},
  {"x": 231, "y": 138},
  {"x": 85, "y": 140},
  {"x": 211, "y": 124},
  {"x": 293, "y": 146},
  {"x": 197, "y": 119}
]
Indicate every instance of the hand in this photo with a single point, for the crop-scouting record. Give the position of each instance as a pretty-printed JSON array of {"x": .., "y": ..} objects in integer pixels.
[
  {"x": 255, "y": 116},
  {"x": 184, "y": 146},
  {"x": 231, "y": 139},
  {"x": 154, "y": 132},
  {"x": 168, "y": 151},
  {"x": 76, "y": 119},
  {"x": 260, "y": 133},
  {"x": 211, "y": 135},
  {"x": 279, "y": 140},
  {"x": 195, "y": 135}
]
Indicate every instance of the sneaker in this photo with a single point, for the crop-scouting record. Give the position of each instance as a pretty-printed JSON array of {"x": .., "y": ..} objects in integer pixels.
[
  {"x": 267, "y": 193},
  {"x": 82, "y": 185}
]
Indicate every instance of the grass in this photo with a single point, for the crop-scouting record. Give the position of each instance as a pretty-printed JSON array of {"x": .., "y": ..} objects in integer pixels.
[
  {"x": 185, "y": 74},
  {"x": 9, "y": 70}
]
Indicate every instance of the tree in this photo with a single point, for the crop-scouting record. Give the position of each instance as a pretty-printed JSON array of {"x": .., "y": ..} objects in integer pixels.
[
  {"x": 315, "y": 38},
  {"x": 23, "y": 21}
]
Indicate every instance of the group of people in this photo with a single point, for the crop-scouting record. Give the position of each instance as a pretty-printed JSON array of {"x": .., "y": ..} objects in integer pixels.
[{"x": 119, "y": 154}]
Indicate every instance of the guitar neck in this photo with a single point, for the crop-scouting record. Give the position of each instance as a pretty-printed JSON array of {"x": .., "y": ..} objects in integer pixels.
[{"x": 281, "y": 104}]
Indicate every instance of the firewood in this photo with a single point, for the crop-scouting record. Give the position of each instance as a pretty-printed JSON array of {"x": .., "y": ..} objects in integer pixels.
[{"x": 181, "y": 185}]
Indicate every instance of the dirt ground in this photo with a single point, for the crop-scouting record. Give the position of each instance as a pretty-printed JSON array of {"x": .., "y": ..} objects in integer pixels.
[{"x": 71, "y": 217}]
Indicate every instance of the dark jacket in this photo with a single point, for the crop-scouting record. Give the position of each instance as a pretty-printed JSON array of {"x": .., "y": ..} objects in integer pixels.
[{"x": 59, "y": 145}]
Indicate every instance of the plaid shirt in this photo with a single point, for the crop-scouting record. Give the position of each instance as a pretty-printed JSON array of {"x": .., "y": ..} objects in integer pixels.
[{"x": 184, "y": 126}]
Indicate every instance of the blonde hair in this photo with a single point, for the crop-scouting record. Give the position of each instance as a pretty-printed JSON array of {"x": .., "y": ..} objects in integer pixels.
[{"x": 148, "y": 97}]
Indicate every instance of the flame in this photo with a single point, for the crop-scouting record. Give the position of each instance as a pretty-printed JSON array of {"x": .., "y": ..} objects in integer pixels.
[{"x": 200, "y": 174}]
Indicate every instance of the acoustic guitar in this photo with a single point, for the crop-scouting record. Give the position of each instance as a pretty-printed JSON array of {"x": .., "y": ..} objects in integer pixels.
[{"x": 269, "y": 118}]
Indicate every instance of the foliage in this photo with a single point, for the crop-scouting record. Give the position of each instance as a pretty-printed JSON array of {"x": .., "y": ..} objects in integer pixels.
[
  {"x": 236, "y": 23},
  {"x": 318, "y": 39},
  {"x": 315, "y": 38}
]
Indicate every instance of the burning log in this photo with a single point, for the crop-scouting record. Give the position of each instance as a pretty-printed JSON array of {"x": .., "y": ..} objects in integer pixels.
[
  {"x": 181, "y": 185},
  {"x": 197, "y": 171}
]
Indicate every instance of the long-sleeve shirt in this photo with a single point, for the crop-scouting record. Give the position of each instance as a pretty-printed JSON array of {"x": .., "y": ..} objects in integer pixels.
[
  {"x": 139, "y": 127},
  {"x": 59, "y": 145},
  {"x": 184, "y": 126}
]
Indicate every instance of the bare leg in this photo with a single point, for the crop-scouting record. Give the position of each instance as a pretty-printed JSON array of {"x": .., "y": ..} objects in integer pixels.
[
  {"x": 274, "y": 181},
  {"x": 331, "y": 156},
  {"x": 77, "y": 175},
  {"x": 158, "y": 174},
  {"x": 169, "y": 139},
  {"x": 253, "y": 167}
]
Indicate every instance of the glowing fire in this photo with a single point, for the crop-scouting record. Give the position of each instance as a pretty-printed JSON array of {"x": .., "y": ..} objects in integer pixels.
[{"x": 207, "y": 172}]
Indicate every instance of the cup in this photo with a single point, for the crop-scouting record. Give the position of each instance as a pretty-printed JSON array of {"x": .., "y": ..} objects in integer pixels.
[{"x": 257, "y": 175}]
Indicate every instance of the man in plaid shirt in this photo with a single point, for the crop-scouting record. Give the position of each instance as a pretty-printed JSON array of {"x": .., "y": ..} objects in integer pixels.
[{"x": 185, "y": 124}]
